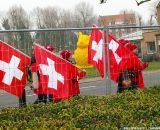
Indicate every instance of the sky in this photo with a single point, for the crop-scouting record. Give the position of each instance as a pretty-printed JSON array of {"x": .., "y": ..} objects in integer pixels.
[{"x": 111, "y": 7}]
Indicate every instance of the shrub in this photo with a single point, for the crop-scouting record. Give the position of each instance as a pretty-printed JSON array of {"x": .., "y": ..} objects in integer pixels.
[{"x": 140, "y": 108}]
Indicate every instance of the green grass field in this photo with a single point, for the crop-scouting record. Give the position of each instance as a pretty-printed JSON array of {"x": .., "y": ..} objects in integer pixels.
[
  {"x": 93, "y": 72},
  {"x": 153, "y": 66}
]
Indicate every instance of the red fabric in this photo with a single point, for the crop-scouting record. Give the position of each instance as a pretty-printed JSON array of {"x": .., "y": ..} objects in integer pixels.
[
  {"x": 123, "y": 41},
  {"x": 120, "y": 57},
  {"x": 49, "y": 47},
  {"x": 142, "y": 66},
  {"x": 64, "y": 89},
  {"x": 34, "y": 67},
  {"x": 131, "y": 46},
  {"x": 81, "y": 74},
  {"x": 66, "y": 54},
  {"x": 97, "y": 39},
  {"x": 140, "y": 80},
  {"x": 7, "y": 53}
]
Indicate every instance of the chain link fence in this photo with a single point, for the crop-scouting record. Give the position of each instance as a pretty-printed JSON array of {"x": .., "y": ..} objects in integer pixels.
[{"x": 146, "y": 37}]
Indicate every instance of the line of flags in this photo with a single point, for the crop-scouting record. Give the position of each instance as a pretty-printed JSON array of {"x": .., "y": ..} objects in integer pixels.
[
  {"x": 120, "y": 57},
  {"x": 57, "y": 76}
]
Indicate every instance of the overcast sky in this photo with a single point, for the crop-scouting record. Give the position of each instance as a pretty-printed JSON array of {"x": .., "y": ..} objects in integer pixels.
[{"x": 111, "y": 7}]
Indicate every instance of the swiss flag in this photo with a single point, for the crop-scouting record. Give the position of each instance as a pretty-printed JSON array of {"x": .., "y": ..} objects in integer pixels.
[
  {"x": 13, "y": 65},
  {"x": 120, "y": 57},
  {"x": 95, "y": 50},
  {"x": 56, "y": 74}
]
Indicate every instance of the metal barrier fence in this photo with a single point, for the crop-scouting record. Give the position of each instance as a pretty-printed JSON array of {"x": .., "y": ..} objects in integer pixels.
[{"x": 66, "y": 38}]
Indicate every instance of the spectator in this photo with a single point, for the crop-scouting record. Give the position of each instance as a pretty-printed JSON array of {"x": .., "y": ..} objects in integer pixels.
[
  {"x": 132, "y": 78},
  {"x": 35, "y": 77},
  {"x": 67, "y": 55}
]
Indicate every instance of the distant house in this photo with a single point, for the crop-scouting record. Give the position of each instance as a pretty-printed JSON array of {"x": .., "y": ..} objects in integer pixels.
[
  {"x": 158, "y": 34},
  {"x": 119, "y": 20},
  {"x": 146, "y": 41},
  {"x": 136, "y": 37}
]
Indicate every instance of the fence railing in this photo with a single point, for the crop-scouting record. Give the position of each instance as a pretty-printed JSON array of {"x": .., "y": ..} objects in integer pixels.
[{"x": 67, "y": 38}]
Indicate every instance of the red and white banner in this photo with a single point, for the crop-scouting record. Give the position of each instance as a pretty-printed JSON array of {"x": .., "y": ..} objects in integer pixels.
[
  {"x": 13, "y": 64},
  {"x": 120, "y": 57},
  {"x": 56, "y": 74},
  {"x": 95, "y": 50}
]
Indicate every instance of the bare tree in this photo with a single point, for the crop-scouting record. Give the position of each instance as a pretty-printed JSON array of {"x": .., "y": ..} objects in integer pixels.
[
  {"x": 83, "y": 15},
  {"x": 65, "y": 17},
  {"x": 17, "y": 18},
  {"x": 50, "y": 17},
  {"x": 37, "y": 17},
  {"x": 5, "y": 23},
  {"x": 153, "y": 20}
]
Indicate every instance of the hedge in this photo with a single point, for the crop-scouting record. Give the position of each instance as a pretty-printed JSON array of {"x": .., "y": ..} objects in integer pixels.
[{"x": 130, "y": 109}]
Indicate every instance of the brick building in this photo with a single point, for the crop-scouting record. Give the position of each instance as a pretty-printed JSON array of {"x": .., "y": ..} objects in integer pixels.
[{"x": 119, "y": 20}]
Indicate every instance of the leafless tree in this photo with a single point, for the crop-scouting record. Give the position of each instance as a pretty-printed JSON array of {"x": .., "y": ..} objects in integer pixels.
[
  {"x": 17, "y": 18},
  {"x": 50, "y": 17},
  {"x": 153, "y": 19},
  {"x": 37, "y": 17},
  {"x": 65, "y": 17},
  {"x": 83, "y": 15},
  {"x": 5, "y": 23}
]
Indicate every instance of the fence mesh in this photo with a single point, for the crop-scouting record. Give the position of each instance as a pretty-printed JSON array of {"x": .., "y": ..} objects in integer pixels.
[{"x": 68, "y": 39}]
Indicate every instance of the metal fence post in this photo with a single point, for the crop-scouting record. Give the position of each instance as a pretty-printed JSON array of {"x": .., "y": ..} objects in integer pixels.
[
  {"x": 108, "y": 89},
  {"x": 22, "y": 99},
  {"x": 104, "y": 59}
]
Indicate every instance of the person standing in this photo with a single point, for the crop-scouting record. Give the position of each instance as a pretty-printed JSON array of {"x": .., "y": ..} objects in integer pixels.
[
  {"x": 131, "y": 79},
  {"x": 67, "y": 55},
  {"x": 37, "y": 86}
]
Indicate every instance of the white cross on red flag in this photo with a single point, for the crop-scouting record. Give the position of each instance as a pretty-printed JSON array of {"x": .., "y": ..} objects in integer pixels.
[
  {"x": 95, "y": 50},
  {"x": 56, "y": 74},
  {"x": 120, "y": 57},
  {"x": 13, "y": 64}
]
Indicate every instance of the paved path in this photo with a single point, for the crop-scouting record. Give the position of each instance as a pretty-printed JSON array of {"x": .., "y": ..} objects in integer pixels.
[{"x": 92, "y": 86}]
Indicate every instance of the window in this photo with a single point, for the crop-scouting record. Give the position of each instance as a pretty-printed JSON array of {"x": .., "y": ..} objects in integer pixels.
[{"x": 151, "y": 48}]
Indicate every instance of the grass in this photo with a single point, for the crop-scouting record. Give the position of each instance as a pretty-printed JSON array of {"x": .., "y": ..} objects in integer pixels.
[
  {"x": 93, "y": 72},
  {"x": 153, "y": 66}
]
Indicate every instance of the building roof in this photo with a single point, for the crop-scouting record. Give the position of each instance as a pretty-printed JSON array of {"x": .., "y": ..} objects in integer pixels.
[{"x": 118, "y": 18}]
